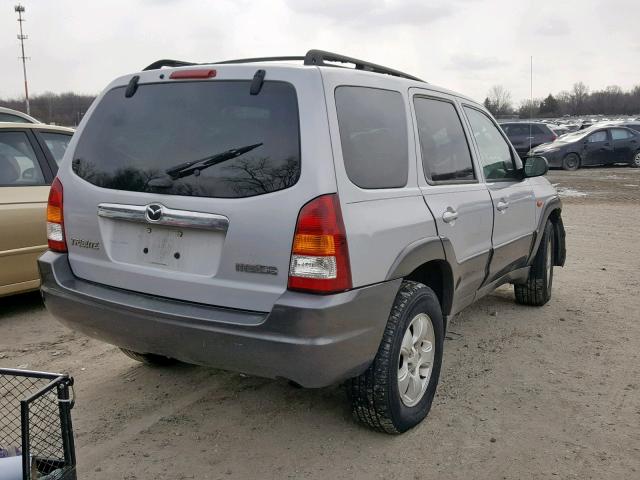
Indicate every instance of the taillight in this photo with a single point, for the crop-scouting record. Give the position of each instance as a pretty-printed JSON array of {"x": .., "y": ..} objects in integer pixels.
[
  {"x": 554, "y": 137},
  {"x": 55, "y": 220},
  {"x": 320, "y": 255}
]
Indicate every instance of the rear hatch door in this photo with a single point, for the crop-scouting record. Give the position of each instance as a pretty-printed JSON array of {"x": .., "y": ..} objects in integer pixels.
[{"x": 190, "y": 189}]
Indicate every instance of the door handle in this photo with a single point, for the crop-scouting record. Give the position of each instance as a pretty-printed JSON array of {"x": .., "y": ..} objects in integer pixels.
[
  {"x": 450, "y": 215},
  {"x": 502, "y": 205}
]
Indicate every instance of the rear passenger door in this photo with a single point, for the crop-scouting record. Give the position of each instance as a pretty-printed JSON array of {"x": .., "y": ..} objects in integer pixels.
[
  {"x": 451, "y": 187},
  {"x": 512, "y": 196},
  {"x": 597, "y": 149},
  {"x": 624, "y": 145}
]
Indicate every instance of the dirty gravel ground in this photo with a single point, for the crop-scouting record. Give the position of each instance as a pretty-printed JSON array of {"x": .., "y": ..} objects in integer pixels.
[{"x": 550, "y": 392}]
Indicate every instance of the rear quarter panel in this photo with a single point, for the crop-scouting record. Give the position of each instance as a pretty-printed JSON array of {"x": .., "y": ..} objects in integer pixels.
[{"x": 380, "y": 223}]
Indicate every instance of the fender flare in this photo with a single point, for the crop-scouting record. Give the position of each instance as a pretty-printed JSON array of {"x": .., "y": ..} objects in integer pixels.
[
  {"x": 552, "y": 205},
  {"x": 415, "y": 254}
]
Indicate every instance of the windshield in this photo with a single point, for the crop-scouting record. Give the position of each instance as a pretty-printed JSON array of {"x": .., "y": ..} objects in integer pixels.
[
  {"x": 129, "y": 141},
  {"x": 573, "y": 136}
]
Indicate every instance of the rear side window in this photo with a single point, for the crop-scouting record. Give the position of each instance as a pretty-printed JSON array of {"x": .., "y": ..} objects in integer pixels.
[
  {"x": 540, "y": 130},
  {"x": 19, "y": 165},
  {"x": 56, "y": 143},
  {"x": 444, "y": 147},
  {"x": 373, "y": 134},
  {"x": 515, "y": 129},
  {"x": 620, "y": 134},
  {"x": 206, "y": 139}
]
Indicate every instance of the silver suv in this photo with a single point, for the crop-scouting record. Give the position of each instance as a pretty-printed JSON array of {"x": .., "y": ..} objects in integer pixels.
[{"x": 302, "y": 221}]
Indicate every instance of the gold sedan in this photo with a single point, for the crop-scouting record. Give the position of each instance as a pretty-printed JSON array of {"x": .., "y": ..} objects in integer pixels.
[{"x": 29, "y": 158}]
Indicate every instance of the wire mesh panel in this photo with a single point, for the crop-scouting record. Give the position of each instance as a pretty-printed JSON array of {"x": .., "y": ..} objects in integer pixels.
[{"x": 35, "y": 424}]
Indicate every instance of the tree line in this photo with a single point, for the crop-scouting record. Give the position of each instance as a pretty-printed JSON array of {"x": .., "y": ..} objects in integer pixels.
[
  {"x": 612, "y": 100},
  {"x": 60, "y": 109},
  {"x": 68, "y": 108}
]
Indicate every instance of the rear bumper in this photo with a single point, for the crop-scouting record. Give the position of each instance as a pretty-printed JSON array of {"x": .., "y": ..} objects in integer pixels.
[{"x": 310, "y": 339}]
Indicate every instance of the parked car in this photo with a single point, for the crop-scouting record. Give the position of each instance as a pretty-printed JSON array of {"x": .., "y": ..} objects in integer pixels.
[
  {"x": 526, "y": 135},
  {"x": 594, "y": 146},
  {"x": 15, "y": 116},
  {"x": 29, "y": 157},
  {"x": 307, "y": 222}
]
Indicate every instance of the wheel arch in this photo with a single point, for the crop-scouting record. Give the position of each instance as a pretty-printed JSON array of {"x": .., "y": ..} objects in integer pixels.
[
  {"x": 437, "y": 275},
  {"x": 552, "y": 213},
  {"x": 425, "y": 261}
]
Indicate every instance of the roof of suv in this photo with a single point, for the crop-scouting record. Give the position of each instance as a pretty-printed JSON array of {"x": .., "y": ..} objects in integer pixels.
[{"x": 319, "y": 59}]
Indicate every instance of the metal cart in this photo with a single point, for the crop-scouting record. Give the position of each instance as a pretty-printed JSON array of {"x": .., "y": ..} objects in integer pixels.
[{"x": 35, "y": 424}]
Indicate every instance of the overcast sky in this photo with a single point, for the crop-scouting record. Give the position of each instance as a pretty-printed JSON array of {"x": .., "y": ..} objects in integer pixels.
[{"x": 464, "y": 45}]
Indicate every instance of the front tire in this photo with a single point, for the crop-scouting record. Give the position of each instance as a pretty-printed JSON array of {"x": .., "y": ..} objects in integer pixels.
[
  {"x": 571, "y": 162},
  {"x": 537, "y": 290},
  {"x": 635, "y": 163},
  {"x": 149, "y": 358},
  {"x": 397, "y": 390}
]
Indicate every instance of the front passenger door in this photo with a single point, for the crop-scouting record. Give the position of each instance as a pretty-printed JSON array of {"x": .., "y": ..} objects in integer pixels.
[
  {"x": 453, "y": 192},
  {"x": 512, "y": 197}
]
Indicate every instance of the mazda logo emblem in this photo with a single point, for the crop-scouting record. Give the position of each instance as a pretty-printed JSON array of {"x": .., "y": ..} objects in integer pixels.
[{"x": 153, "y": 212}]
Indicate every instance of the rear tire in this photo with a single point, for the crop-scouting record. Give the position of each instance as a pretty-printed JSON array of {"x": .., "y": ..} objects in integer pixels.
[
  {"x": 537, "y": 290},
  {"x": 149, "y": 358},
  {"x": 571, "y": 162},
  {"x": 376, "y": 397},
  {"x": 635, "y": 163}
]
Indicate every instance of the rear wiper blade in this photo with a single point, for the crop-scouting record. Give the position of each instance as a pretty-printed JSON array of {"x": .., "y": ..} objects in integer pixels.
[{"x": 189, "y": 168}]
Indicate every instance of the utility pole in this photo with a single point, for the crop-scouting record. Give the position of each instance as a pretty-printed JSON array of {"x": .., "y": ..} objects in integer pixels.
[{"x": 22, "y": 37}]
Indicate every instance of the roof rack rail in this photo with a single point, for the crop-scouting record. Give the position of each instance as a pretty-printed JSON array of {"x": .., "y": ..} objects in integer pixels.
[
  {"x": 313, "y": 57},
  {"x": 260, "y": 59},
  {"x": 167, "y": 63},
  {"x": 320, "y": 57}
]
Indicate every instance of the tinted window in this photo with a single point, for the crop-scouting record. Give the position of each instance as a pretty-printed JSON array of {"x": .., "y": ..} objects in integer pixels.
[
  {"x": 18, "y": 162},
  {"x": 494, "y": 150},
  {"x": 620, "y": 134},
  {"x": 539, "y": 130},
  {"x": 445, "y": 151},
  {"x": 515, "y": 129},
  {"x": 151, "y": 135},
  {"x": 634, "y": 126},
  {"x": 56, "y": 143},
  {"x": 373, "y": 135},
  {"x": 600, "y": 136},
  {"x": 7, "y": 117}
]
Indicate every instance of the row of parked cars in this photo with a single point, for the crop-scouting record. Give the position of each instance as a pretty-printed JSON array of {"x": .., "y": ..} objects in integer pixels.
[{"x": 600, "y": 144}]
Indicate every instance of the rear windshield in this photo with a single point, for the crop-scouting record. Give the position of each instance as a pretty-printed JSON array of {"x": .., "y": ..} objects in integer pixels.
[{"x": 207, "y": 139}]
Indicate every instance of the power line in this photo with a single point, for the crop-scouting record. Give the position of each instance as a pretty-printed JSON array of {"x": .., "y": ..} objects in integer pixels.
[{"x": 22, "y": 37}]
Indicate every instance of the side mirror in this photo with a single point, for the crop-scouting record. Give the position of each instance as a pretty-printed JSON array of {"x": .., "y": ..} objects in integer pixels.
[{"x": 535, "y": 166}]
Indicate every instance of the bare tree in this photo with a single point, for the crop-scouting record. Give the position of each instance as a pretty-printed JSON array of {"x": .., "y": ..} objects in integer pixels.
[
  {"x": 498, "y": 101},
  {"x": 579, "y": 95}
]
